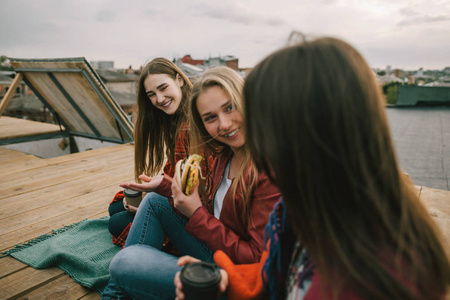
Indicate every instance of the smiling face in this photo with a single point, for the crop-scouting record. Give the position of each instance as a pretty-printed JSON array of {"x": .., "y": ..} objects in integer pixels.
[
  {"x": 220, "y": 117},
  {"x": 164, "y": 92}
]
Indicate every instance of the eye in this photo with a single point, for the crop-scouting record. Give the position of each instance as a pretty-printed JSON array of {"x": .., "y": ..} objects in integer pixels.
[
  {"x": 163, "y": 88},
  {"x": 209, "y": 119},
  {"x": 229, "y": 108},
  {"x": 150, "y": 95}
]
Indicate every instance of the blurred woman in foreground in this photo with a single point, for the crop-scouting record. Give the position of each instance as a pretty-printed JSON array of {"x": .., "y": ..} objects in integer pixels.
[{"x": 350, "y": 225}]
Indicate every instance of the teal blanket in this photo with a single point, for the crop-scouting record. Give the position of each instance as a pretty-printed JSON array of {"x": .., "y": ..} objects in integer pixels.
[{"x": 83, "y": 251}]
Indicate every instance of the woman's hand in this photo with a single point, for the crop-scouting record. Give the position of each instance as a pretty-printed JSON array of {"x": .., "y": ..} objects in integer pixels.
[
  {"x": 149, "y": 185},
  {"x": 129, "y": 208},
  {"x": 186, "y": 204},
  {"x": 177, "y": 281},
  {"x": 179, "y": 286}
]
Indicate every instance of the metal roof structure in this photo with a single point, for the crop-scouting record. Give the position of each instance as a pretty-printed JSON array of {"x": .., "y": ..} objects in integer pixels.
[{"x": 75, "y": 94}]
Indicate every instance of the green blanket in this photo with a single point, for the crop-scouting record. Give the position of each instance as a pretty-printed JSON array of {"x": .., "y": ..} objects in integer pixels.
[{"x": 83, "y": 251}]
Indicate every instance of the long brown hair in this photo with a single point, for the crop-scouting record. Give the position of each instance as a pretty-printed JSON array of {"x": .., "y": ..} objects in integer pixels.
[
  {"x": 316, "y": 122},
  {"x": 231, "y": 83},
  {"x": 155, "y": 132}
]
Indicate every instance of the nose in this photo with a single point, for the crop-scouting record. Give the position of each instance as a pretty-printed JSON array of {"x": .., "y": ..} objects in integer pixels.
[
  {"x": 225, "y": 123},
  {"x": 159, "y": 98}
]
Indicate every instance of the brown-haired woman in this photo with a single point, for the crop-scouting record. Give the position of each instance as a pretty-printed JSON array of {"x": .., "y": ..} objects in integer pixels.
[
  {"x": 316, "y": 122},
  {"x": 161, "y": 132}
]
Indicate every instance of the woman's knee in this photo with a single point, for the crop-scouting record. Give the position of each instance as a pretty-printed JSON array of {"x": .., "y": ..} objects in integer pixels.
[
  {"x": 140, "y": 261},
  {"x": 119, "y": 221},
  {"x": 152, "y": 200},
  {"x": 125, "y": 263},
  {"x": 116, "y": 207}
]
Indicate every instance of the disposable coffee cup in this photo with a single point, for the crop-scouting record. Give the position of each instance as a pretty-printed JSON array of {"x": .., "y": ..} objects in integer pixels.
[
  {"x": 200, "y": 281},
  {"x": 133, "y": 197}
]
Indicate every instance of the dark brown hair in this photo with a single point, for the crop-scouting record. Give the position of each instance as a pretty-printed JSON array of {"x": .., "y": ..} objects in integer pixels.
[
  {"x": 315, "y": 121},
  {"x": 155, "y": 132}
]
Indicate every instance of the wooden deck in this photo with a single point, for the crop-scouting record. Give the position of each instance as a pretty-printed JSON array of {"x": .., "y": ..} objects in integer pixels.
[
  {"x": 39, "y": 195},
  {"x": 16, "y": 128}
]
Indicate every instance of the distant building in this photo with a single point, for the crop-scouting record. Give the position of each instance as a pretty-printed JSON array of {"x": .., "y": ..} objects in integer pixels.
[
  {"x": 129, "y": 70},
  {"x": 420, "y": 78},
  {"x": 244, "y": 72},
  {"x": 102, "y": 65},
  {"x": 6, "y": 79},
  {"x": 5, "y": 82},
  {"x": 384, "y": 79},
  {"x": 232, "y": 62},
  {"x": 187, "y": 59},
  {"x": 122, "y": 86},
  {"x": 228, "y": 60},
  {"x": 29, "y": 107},
  {"x": 127, "y": 102},
  {"x": 190, "y": 70},
  {"x": 419, "y": 73},
  {"x": 119, "y": 81},
  {"x": 24, "y": 104},
  {"x": 197, "y": 66}
]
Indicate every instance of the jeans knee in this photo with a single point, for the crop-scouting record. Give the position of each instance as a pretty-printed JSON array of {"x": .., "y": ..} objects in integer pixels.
[
  {"x": 154, "y": 200},
  {"x": 124, "y": 263}
]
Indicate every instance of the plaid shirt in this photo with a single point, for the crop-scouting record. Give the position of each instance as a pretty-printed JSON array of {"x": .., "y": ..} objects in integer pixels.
[
  {"x": 181, "y": 151},
  {"x": 120, "y": 240}
]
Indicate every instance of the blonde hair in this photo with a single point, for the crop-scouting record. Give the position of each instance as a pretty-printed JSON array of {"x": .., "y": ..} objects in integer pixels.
[{"x": 231, "y": 83}]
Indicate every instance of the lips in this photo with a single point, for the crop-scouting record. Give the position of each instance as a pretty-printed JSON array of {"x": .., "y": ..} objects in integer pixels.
[
  {"x": 232, "y": 133},
  {"x": 166, "y": 104}
]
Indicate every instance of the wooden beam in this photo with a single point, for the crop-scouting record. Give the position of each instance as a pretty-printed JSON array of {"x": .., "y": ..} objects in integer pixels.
[{"x": 10, "y": 92}]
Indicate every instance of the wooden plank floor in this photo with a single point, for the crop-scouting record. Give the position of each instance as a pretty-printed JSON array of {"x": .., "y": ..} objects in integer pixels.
[
  {"x": 15, "y": 127},
  {"x": 39, "y": 195}
]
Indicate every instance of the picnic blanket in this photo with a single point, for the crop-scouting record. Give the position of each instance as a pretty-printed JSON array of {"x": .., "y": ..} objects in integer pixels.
[{"x": 83, "y": 251}]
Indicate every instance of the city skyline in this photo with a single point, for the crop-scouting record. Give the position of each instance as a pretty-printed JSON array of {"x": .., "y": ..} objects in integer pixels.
[{"x": 404, "y": 34}]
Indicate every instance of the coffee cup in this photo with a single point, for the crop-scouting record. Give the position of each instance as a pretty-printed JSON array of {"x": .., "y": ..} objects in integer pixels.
[
  {"x": 132, "y": 197},
  {"x": 200, "y": 281}
]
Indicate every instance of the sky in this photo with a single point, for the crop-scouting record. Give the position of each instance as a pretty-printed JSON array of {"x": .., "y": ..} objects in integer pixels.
[{"x": 405, "y": 34}]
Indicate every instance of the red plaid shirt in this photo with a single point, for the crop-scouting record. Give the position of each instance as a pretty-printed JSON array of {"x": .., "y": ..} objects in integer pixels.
[
  {"x": 182, "y": 151},
  {"x": 165, "y": 188}
]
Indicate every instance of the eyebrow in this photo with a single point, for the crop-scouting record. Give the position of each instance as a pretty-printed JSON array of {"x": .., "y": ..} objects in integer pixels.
[
  {"x": 223, "y": 105},
  {"x": 158, "y": 87}
]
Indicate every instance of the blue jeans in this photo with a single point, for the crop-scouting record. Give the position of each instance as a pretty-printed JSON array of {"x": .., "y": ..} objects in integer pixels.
[{"x": 141, "y": 270}]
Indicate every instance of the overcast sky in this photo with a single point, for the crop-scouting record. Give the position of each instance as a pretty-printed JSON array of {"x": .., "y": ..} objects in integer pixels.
[{"x": 406, "y": 34}]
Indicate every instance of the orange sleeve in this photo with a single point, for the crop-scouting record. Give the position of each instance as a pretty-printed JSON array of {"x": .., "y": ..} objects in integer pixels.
[{"x": 245, "y": 280}]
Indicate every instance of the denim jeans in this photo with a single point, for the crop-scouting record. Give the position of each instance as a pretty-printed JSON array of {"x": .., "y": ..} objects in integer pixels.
[{"x": 141, "y": 270}]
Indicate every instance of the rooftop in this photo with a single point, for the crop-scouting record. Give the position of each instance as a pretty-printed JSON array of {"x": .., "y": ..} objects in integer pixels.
[
  {"x": 115, "y": 76},
  {"x": 38, "y": 195}
]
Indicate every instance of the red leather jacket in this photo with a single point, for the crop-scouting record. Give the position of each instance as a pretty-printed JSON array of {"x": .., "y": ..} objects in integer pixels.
[{"x": 242, "y": 242}]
